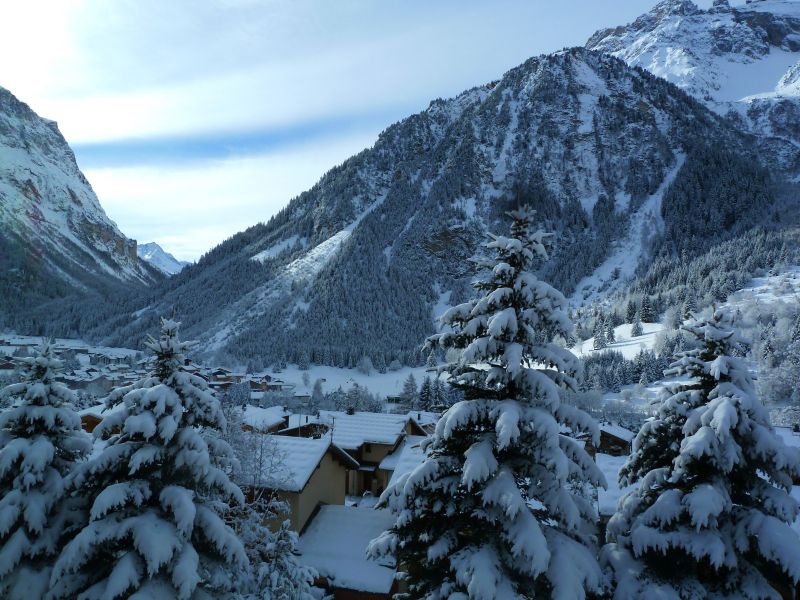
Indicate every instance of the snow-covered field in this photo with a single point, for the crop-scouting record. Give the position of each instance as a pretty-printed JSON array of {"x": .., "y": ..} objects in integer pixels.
[
  {"x": 382, "y": 384},
  {"x": 627, "y": 344}
]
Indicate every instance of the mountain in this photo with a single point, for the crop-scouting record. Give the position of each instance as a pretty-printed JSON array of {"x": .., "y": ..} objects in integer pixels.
[
  {"x": 741, "y": 61},
  {"x": 55, "y": 238},
  {"x": 156, "y": 256},
  {"x": 611, "y": 157}
]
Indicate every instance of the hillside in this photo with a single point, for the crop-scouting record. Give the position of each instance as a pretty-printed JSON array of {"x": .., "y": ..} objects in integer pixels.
[
  {"x": 741, "y": 61},
  {"x": 55, "y": 238},
  {"x": 358, "y": 265}
]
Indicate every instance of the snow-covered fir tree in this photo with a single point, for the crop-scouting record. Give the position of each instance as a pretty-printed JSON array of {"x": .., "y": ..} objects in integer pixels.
[
  {"x": 159, "y": 489},
  {"x": 646, "y": 311},
  {"x": 409, "y": 393},
  {"x": 711, "y": 515},
  {"x": 610, "y": 336},
  {"x": 599, "y": 334},
  {"x": 275, "y": 572},
  {"x": 636, "y": 329},
  {"x": 425, "y": 396},
  {"x": 40, "y": 442},
  {"x": 497, "y": 509}
]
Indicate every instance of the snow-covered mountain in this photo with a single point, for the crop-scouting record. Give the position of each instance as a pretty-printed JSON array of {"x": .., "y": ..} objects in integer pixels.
[
  {"x": 361, "y": 263},
  {"x": 160, "y": 259},
  {"x": 54, "y": 235},
  {"x": 740, "y": 60}
]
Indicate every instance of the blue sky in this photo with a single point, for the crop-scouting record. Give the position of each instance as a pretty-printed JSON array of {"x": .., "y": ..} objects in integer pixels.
[{"x": 194, "y": 119}]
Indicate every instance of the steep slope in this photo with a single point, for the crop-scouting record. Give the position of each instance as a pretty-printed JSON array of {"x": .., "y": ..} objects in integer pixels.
[
  {"x": 159, "y": 258},
  {"x": 55, "y": 237},
  {"x": 360, "y": 264},
  {"x": 741, "y": 61}
]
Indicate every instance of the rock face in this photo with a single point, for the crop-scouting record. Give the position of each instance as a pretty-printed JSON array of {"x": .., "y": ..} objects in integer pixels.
[
  {"x": 160, "y": 259},
  {"x": 361, "y": 263},
  {"x": 54, "y": 235},
  {"x": 740, "y": 61}
]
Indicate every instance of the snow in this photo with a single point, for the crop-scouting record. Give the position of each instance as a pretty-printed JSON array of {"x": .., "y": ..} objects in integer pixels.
[
  {"x": 626, "y": 344},
  {"x": 789, "y": 437},
  {"x": 398, "y": 456},
  {"x": 627, "y": 253},
  {"x": 383, "y": 384},
  {"x": 160, "y": 259},
  {"x": 352, "y": 431},
  {"x": 277, "y": 248},
  {"x": 335, "y": 544},
  {"x": 299, "y": 458},
  {"x": 48, "y": 202},
  {"x": 263, "y": 419},
  {"x": 618, "y": 431}
]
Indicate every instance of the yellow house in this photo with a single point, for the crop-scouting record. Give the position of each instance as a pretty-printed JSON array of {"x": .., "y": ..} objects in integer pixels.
[{"x": 311, "y": 473}]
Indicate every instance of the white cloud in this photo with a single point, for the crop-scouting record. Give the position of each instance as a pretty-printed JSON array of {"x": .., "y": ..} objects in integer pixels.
[{"x": 189, "y": 209}]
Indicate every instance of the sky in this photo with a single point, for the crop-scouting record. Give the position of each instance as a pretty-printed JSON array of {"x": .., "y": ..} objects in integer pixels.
[{"x": 194, "y": 119}]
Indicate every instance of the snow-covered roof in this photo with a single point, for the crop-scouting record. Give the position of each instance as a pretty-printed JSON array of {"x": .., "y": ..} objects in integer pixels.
[
  {"x": 389, "y": 463},
  {"x": 607, "y": 499},
  {"x": 263, "y": 419},
  {"x": 424, "y": 417},
  {"x": 300, "y": 457},
  {"x": 335, "y": 544},
  {"x": 99, "y": 410},
  {"x": 351, "y": 431},
  {"x": 789, "y": 437},
  {"x": 410, "y": 458},
  {"x": 618, "y": 431}
]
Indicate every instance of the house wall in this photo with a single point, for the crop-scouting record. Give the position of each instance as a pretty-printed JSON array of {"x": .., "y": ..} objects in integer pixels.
[
  {"x": 326, "y": 486},
  {"x": 376, "y": 453}
]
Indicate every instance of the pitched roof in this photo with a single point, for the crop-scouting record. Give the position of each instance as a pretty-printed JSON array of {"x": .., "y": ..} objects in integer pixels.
[
  {"x": 351, "y": 431},
  {"x": 263, "y": 419},
  {"x": 335, "y": 544},
  {"x": 299, "y": 457}
]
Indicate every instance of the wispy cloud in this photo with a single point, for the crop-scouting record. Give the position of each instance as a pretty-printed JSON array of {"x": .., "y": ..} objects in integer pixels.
[{"x": 196, "y": 119}]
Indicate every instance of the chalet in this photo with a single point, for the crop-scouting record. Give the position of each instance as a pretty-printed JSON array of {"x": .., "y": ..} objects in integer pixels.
[
  {"x": 368, "y": 437},
  {"x": 335, "y": 543},
  {"x": 313, "y": 473},
  {"x": 614, "y": 441},
  {"x": 91, "y": 417},
  {"x": 265, "y": 420}
]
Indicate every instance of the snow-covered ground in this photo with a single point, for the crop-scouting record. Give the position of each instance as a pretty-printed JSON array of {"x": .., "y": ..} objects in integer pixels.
[
  {"x": 382, "y": 384},
  {"x": 627, "y": 344}
]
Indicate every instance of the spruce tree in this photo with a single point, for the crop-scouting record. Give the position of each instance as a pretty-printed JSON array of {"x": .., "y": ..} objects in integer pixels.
[
  {"x": 497, "y": 510},
  {"x": 636, "y": 329},
  {"x": 599, "y": 334},
  {"x": 40, "y": 442},
  {"x": 425, "y": 394},
  {"x": 155, "y": 528},
  {"x": 646, "y": 310},
  {"x": 409, "y": 393},
  {"x": 711, "y": 515},
  {"x": 630, "y": 311},
  {"x": 610, "y": 337}
]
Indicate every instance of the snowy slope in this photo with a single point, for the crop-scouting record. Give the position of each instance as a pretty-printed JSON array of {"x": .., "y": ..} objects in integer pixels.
[
  {"x": 741, "y": 60},
  {"x": 359, "y": 264},
  {"x": 52, "y": 227},
  {"x": 160, "y": 259}
]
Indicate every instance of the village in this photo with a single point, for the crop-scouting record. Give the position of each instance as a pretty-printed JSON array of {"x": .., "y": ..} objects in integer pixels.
[{"x": 332, "y": 466}]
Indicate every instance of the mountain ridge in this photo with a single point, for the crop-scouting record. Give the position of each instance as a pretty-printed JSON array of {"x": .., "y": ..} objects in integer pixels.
[
  {"x": 581, "y": 135},
  {"x": 55, "y": 237}
]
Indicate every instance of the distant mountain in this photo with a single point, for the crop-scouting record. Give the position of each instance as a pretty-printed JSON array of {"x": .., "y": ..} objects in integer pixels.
[
  {"x": 741, "y": 61},
  {"x": 160, "y": 259},
  {"x": 621, "y": 164},
  {"x": 55, "y": 238}
]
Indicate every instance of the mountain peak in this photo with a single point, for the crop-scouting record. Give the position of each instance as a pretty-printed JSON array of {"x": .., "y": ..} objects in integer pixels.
[{"x": 160, "y": 259}]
